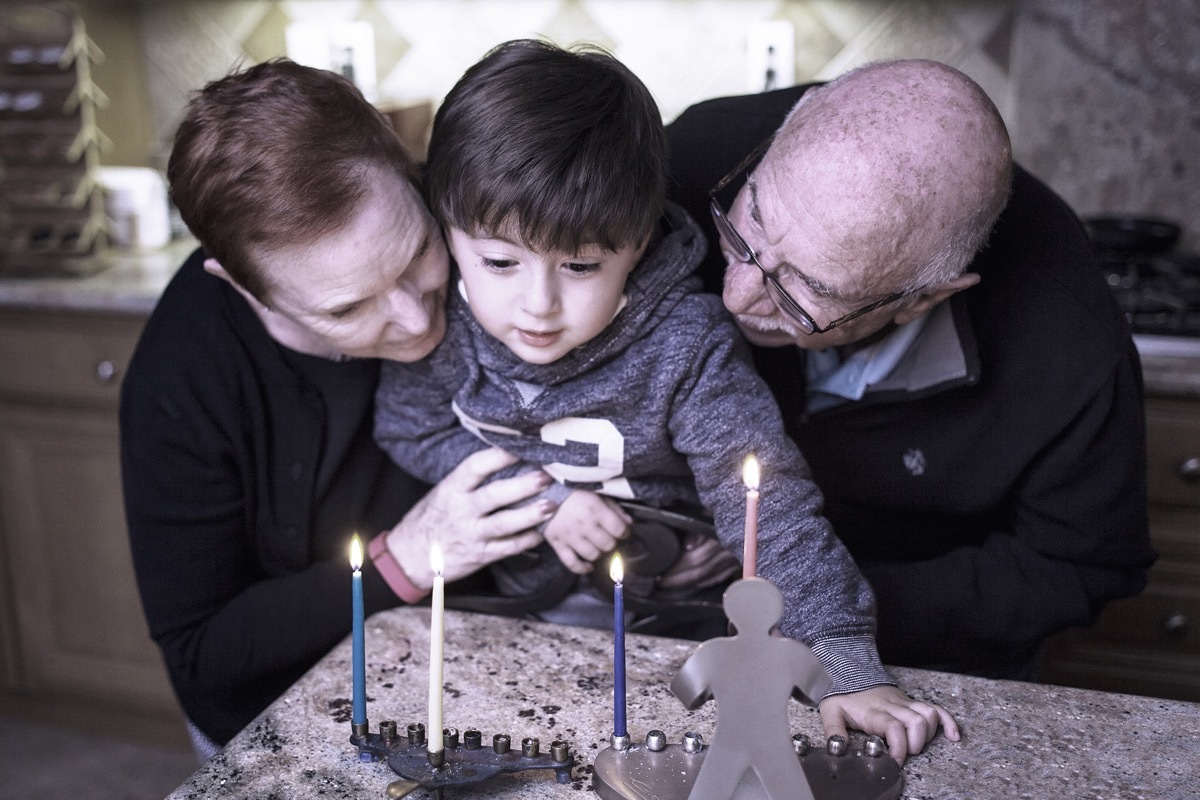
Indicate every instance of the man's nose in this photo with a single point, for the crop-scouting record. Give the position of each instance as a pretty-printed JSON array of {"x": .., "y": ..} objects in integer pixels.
[{"x": 744, "y": 292}]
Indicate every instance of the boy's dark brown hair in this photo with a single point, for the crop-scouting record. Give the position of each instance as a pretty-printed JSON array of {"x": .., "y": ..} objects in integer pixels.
[
  {"x": 553, "y": 148},
  {"x": 276, "y": 155}
]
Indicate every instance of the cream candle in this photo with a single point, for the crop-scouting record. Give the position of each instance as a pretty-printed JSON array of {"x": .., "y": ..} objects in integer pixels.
[{"x": 436, "y": 645}]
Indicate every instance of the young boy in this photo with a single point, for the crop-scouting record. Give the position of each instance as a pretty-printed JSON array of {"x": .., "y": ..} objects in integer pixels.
[{"x": 579, "y": 340}]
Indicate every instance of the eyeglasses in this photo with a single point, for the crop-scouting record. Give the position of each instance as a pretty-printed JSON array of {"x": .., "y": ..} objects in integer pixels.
[{"x": 745, "y": 253}]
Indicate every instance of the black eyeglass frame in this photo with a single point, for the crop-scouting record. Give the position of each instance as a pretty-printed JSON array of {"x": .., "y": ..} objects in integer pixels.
[{"x": 745, "y": 253}]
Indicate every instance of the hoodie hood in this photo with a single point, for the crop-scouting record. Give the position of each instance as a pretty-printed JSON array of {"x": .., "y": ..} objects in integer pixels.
[{"x": 665, "y": 275}]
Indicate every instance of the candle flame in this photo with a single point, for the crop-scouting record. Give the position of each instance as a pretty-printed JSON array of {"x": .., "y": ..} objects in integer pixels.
[
  {"x": 356, "y": 553},
  {"x": 436, "y": 562},
  {"x": 616, "y": 570},
  {"x": 750, "y": 473}
]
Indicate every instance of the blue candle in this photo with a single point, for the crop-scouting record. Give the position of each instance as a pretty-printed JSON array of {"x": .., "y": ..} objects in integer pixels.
[
  {"x": 359, "y": 666},
  {"x": 617, "y": 572}
]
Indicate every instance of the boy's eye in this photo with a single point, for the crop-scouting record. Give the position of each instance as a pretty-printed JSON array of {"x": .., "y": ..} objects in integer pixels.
[
  {"x": 497, "y": 264},
  {"x": 581, "y": 268}
]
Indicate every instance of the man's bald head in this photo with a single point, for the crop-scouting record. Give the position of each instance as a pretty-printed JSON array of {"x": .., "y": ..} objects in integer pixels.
[{"x": 906, "y": 160}]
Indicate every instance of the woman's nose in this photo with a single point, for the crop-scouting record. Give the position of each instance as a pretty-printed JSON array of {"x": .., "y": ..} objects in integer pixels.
[
  {"x": 408, "y": 309},
  {"x": 744, "y": 291}
]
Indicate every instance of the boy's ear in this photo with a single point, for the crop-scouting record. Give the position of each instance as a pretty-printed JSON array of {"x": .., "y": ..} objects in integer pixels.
[
  {"x": 644, "y": 245},
  {"x": 213, "y": 267}
]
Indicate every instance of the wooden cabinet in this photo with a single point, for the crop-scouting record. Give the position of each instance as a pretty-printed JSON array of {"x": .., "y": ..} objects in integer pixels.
[
  {"x": 75, "y": 644},
  {"x": 1150, "y": 644}
]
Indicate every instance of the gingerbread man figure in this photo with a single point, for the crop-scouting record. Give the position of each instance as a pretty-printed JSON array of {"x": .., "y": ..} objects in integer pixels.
[{"x": 751, "y": 675}]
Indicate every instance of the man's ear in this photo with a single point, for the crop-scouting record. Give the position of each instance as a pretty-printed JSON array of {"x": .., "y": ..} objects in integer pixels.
[
  {"x": 928, "y": 298},
  {"x": 213, "y": 267}
]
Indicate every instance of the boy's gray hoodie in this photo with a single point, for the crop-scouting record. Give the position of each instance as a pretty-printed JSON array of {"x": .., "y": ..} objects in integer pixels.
[{"x": 662, "y": 407}]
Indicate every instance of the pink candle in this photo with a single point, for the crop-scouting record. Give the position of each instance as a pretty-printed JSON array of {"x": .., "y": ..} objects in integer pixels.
[{"x": 750, "y": 542}]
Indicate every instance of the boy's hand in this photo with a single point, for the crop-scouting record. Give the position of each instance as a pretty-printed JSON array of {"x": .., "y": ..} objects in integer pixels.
[
  {"x": 703, "y": 563},
  {"x": 907, "y": 724},
  {"x": 586, "y": 526}
]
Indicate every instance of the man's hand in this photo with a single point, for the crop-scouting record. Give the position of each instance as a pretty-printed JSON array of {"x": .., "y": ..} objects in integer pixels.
[{"x": 907, "y": 724}]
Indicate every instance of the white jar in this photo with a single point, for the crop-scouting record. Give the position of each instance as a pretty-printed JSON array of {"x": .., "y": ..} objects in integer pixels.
[{"x": 135, "y": 202}]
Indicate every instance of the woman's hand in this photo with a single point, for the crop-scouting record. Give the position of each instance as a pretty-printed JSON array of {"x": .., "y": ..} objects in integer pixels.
[
  {"x": 907, "y": 724},
  {"x": 470, "y": 522},
  {"x": 586, "y": 526}
]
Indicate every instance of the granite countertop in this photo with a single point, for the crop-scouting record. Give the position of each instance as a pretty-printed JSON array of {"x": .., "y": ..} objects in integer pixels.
[
  {"x": 555, "y": 682},
  {"x": 1170, "y": 364},
  {"x": 129, "y": 282},
  {"x": 114, "y": 282}
]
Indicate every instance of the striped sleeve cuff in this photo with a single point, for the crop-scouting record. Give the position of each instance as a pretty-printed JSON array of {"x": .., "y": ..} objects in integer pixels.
[{"x": 852, "y": 662}]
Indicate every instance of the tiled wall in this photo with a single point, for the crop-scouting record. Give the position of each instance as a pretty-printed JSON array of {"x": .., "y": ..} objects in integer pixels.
[
  {"x": 1102, "y": 97},
  {"x": 685, "y": 50},
  {"x": 1107, "y": 105}
]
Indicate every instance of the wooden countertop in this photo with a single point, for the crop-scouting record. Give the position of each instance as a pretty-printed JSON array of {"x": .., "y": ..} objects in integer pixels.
[{"x": 555, "y": 682}]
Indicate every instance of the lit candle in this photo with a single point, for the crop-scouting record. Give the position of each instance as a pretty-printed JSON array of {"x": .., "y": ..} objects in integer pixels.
[
  {"x": 617, "y": 573},
  {"x": 358, "y": 661},
  {"x": 436, "y": 641},
  {"x": 750, "y": 543}
]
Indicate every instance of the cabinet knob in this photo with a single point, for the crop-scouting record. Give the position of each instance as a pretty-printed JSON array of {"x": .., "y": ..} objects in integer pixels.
[
  {"x": 1189, "y": 469},
  {"x": 106, "y": 371},
  {"x": 1175, "y": 625}
]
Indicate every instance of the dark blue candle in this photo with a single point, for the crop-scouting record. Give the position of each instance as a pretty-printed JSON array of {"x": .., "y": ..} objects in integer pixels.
[
  {"x": 617, "y": 572},
  {"x": 359, "y": 666}
]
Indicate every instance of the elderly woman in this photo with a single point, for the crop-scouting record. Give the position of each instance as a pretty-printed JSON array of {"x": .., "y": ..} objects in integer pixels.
[{"x": 246, "y": 415}]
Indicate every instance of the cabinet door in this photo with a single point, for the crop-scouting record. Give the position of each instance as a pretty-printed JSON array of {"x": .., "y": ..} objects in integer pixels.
[
  {"x": 1150, "y": 644},
  {"x": 80, "y": 628}
]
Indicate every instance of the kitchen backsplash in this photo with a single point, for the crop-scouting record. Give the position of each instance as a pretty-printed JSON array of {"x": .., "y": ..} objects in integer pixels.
[{"x": 1102, "y": 98}]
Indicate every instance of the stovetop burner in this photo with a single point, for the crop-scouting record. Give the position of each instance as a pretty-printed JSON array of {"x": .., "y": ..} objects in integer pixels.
[
  {"x": 1159, "y": 294},
  {"x": 1157, "y": 288}
]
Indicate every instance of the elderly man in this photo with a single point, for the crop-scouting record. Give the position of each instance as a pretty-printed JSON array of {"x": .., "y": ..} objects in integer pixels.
[{"x": 946, "y": 354}]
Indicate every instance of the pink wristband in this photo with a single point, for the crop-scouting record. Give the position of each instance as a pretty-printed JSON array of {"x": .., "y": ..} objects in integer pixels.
[{"x": 392, "y": 572}]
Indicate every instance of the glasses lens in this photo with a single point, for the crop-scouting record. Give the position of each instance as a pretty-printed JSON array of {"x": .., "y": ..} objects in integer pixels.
[
  {"x": 741, "y": 251},
  {"x": 786, "y": 304},
  {"x": 737, "y": 245}
]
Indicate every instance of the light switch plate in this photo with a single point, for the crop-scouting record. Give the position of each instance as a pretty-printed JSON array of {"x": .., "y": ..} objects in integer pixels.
[{"x": 347, "y": 48}]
